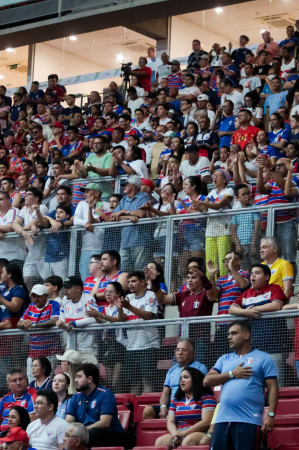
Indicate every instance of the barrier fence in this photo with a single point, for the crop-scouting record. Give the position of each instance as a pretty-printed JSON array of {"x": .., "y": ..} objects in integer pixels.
[{"x": 134, "y": 357}]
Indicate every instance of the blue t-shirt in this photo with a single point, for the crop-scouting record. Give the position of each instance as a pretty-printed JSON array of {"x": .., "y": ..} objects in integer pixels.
[
  {"x": 277, "y": 136},
  {"x": 243, "y": 400},
  {"x": 61, "y": 410},
  {"x": 271, "y": 151},
  {"x": 172, "y": 379},
  {"x": 16, "y": 291},
  {"x": 226, "y": 124},
  {"x": 287, "y": 41},
  {"x": 88, "y": 409}
]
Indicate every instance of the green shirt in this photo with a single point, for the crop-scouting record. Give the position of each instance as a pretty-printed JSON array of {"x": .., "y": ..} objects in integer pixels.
[{"x": 104, "y": 162}]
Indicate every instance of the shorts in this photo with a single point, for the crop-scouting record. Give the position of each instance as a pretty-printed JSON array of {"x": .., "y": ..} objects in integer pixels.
[
  {"x": 193, "y": 238},
  {"x": 58, "y": 268},
  {"x": 33, "y": 267}
]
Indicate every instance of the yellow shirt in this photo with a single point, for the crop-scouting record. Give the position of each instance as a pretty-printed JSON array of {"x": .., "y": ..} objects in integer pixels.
[{"x": 281, "y": 270}]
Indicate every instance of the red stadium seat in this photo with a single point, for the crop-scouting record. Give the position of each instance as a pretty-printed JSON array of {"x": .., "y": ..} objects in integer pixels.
[
  {"x": 283, "y": 436},
  {"x": 141, "y": 401},
  {"x": 149, "y": 448},
  {"x": 149, "y": 430},
  {"x": 289, "y": 392},
  {"x": 195, "y": 447},
  {"x": 287, "y": 406},
  {"x": 125, "y": 418},
  {"x": 287, "y": 447},
  {"x": 124, "y": 399}
]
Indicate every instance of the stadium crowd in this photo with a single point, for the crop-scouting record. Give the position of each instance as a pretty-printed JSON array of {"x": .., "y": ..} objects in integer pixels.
[{"x": 230, "y": 120}]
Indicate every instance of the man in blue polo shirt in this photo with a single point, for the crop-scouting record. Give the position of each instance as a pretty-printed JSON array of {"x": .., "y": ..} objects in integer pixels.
[
  {"x": 226, "y": 123},
  {"x": 185, "y": 352},
  {"x": 95, "y": 407},
  {"x": 244, "y": 374}
]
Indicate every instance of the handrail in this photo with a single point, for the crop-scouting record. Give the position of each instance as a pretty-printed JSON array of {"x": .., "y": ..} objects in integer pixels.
[{"x": 150, "y": 323}]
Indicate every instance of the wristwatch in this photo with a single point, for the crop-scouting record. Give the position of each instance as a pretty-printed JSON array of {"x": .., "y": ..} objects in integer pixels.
[
  {"x": 271, "y": 414},
  {"x": 231, "y": 375}
]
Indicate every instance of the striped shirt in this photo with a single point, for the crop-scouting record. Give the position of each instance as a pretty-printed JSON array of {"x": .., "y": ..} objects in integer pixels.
[
  {"x": 277, "y": 196},
  {"x": 229, "y": 290},
  {"x": 42, "y": 344},
  {"x": 175, "y": 80},
  {"x": 188, "y": 412},
  {"x": 26, "y": 401}
]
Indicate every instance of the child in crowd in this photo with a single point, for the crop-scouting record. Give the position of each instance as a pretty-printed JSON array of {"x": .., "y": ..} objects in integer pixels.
[
  {"x": 223, "y": 155},
  {"x": 54, "y": 285}
]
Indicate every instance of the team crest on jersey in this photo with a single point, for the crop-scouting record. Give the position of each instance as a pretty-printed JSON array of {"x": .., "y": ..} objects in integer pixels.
[
  {"x": 196, "y": 304},
  {"x": 249, "y": 361},
  {"x": 93, "y": 403},
  {"x": 151, "y": 301},
  {"x": 78, "y": 310},
  {"x": 142, "y": 307},
  {"x": 50, "y": 435},
  {"x": 23, "y": 403}
]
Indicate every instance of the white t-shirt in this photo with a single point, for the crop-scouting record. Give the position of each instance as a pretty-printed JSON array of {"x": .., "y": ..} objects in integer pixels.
[
  {"x": 161, "y": 229},
  {"x": 147, "y": 337},
  {"x": 75, "y": 312},
  {"x": 219, "y": 226},
  {"x": 190, "y": 90},
  {"x": 47, "y": 436},
  {"x": 140, "y": 168},
  {"x": 163, "y": 71},
  {"x": 135, "y": 104},
  {"x": 237, "y": 99},
  {"x": 200, "y": 168},
  {"x": 11, "y": 248},
  {"x": 250, "y": 84},
  {"x": 147, "y": 147},
  {"x": 90, "y": 239},
  {"x": 164, "y": 121},
  {"x": 37, "y": 250},
  {"x": 294, "y": 110}
]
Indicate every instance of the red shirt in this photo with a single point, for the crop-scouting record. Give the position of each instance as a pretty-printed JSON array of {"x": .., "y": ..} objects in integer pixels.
[
  {"x": 193, "y": 305},
  {"x": 267, "y": 294},
  {"x": 145, "y": 81},
  {"x": 242, "y": 137}
]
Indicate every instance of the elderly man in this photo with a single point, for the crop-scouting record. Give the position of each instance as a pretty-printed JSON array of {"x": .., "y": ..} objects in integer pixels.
[
  {"x": 185, "y": 356},
  {"x": 41, "y": 313},
  {"x": 19, "y": 394},
  {"x": 47, "y": 432},
  {"x": 76, "y": 437},
  {"x": 16, "y": 439},
  {"x": 134, "y": 238},
  {"x": 282, "y": 272},
  {"x": 243, "y": 375}
]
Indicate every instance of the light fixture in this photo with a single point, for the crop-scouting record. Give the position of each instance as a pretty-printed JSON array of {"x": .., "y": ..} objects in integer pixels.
[
  {"x": 218, "y": 10},
  {"x": 9, "y": 49},
  {"x": 119, "y": 57},
  {"x": 1, "y": 77},
  {"x": 262, "y": 31},
  {"x": 73, "y": 38}
]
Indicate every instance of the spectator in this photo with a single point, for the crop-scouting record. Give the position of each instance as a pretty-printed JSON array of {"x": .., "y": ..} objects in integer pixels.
[
  {"x": 75, "y": 145},
  {"x": 8, "y": 214},
  {"x": 41, "y": 313},
  {"x": 225, "y": 123},
  {"x": 185, "y": 354},
  {"x": 294, "y": 137},
  {"x": 132, "y": 242},
  {"x": 281, "y": 270},
  {"x": 96, "y": 273},
  {"x": 16, "y": 108},
  {"x": 239, "y": 55},
  {"x": 186, "y": 428},
  {"x": 291, "y": 41},
  {"x": 250, "y": 82},
  {"x": 279, "y": 136},
  {"x": 246, "y": 132},
  {"x": 269, "y": 46},
  {"x": 101, "y": 417},
  {"x": 4, "y": 110},
  {"x": 195, "y": 165},
  {"x": 139, "y": 305},
  {"x": 18, "y": 417},
  {"x": 110, "y": 266},
  {"x": 75, "y": 303},
  {"x": 175, "y": 78},
  {"x": 229, "y": 288},
  {"x": 39, "y": 146},
  {"x": 143, "y": 73},
  {"x": 19, "y": 394},
  {"x": 55, "y": 88},
  {"x": 229, "y": 93},
  {"x": 243, "y": 406},
  {"x": 194, "y": 57},
  {"x": 286, "y": 231},
  {"x": 76, "y": 437},
  {"x": 276, "y": 99},
  {"x": 71, "y": 109},
  {"x": 92, "y": 193},
  {"x": 61, "y": 384},
  {"x": 48, "y": 430},
  {"x": 164, "y": 69},
  {"x": 15, "y": 296},
  {"x": 41, "y": 370},
  {"x": 206, "y": 136},
  {"x": 16, "y": 438},
  {"x": 23, "y": 224},
  {"x": 8, "y": 185},
  {"x": 53, "y": 287}
]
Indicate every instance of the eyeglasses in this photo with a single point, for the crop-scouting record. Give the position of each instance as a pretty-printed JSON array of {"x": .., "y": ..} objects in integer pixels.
[{"x": 226, "y": 260}]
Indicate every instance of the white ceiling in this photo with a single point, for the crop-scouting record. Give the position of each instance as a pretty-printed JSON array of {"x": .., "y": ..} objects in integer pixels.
[{"x": 101, "y": 47}]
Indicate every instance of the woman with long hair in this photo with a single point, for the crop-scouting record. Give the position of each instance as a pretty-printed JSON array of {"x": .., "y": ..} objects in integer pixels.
[
  {"x": 190, "y": 412},
  {"x": 279, "y": 136},
  {"x": 60, "y": 385}
]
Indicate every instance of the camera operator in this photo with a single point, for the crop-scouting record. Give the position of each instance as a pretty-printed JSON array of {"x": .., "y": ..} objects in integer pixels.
[{"x": 143, "y": 74}]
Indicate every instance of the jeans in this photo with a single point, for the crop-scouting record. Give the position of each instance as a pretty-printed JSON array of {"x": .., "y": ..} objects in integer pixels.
[{"x": 134, "y": 258}]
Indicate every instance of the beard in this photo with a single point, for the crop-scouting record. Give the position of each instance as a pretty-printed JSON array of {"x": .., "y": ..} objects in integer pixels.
[{"x": 82, "y": 388}]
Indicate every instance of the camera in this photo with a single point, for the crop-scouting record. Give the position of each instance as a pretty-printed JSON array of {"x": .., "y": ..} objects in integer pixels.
[{"x": 126, "y": 69}]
